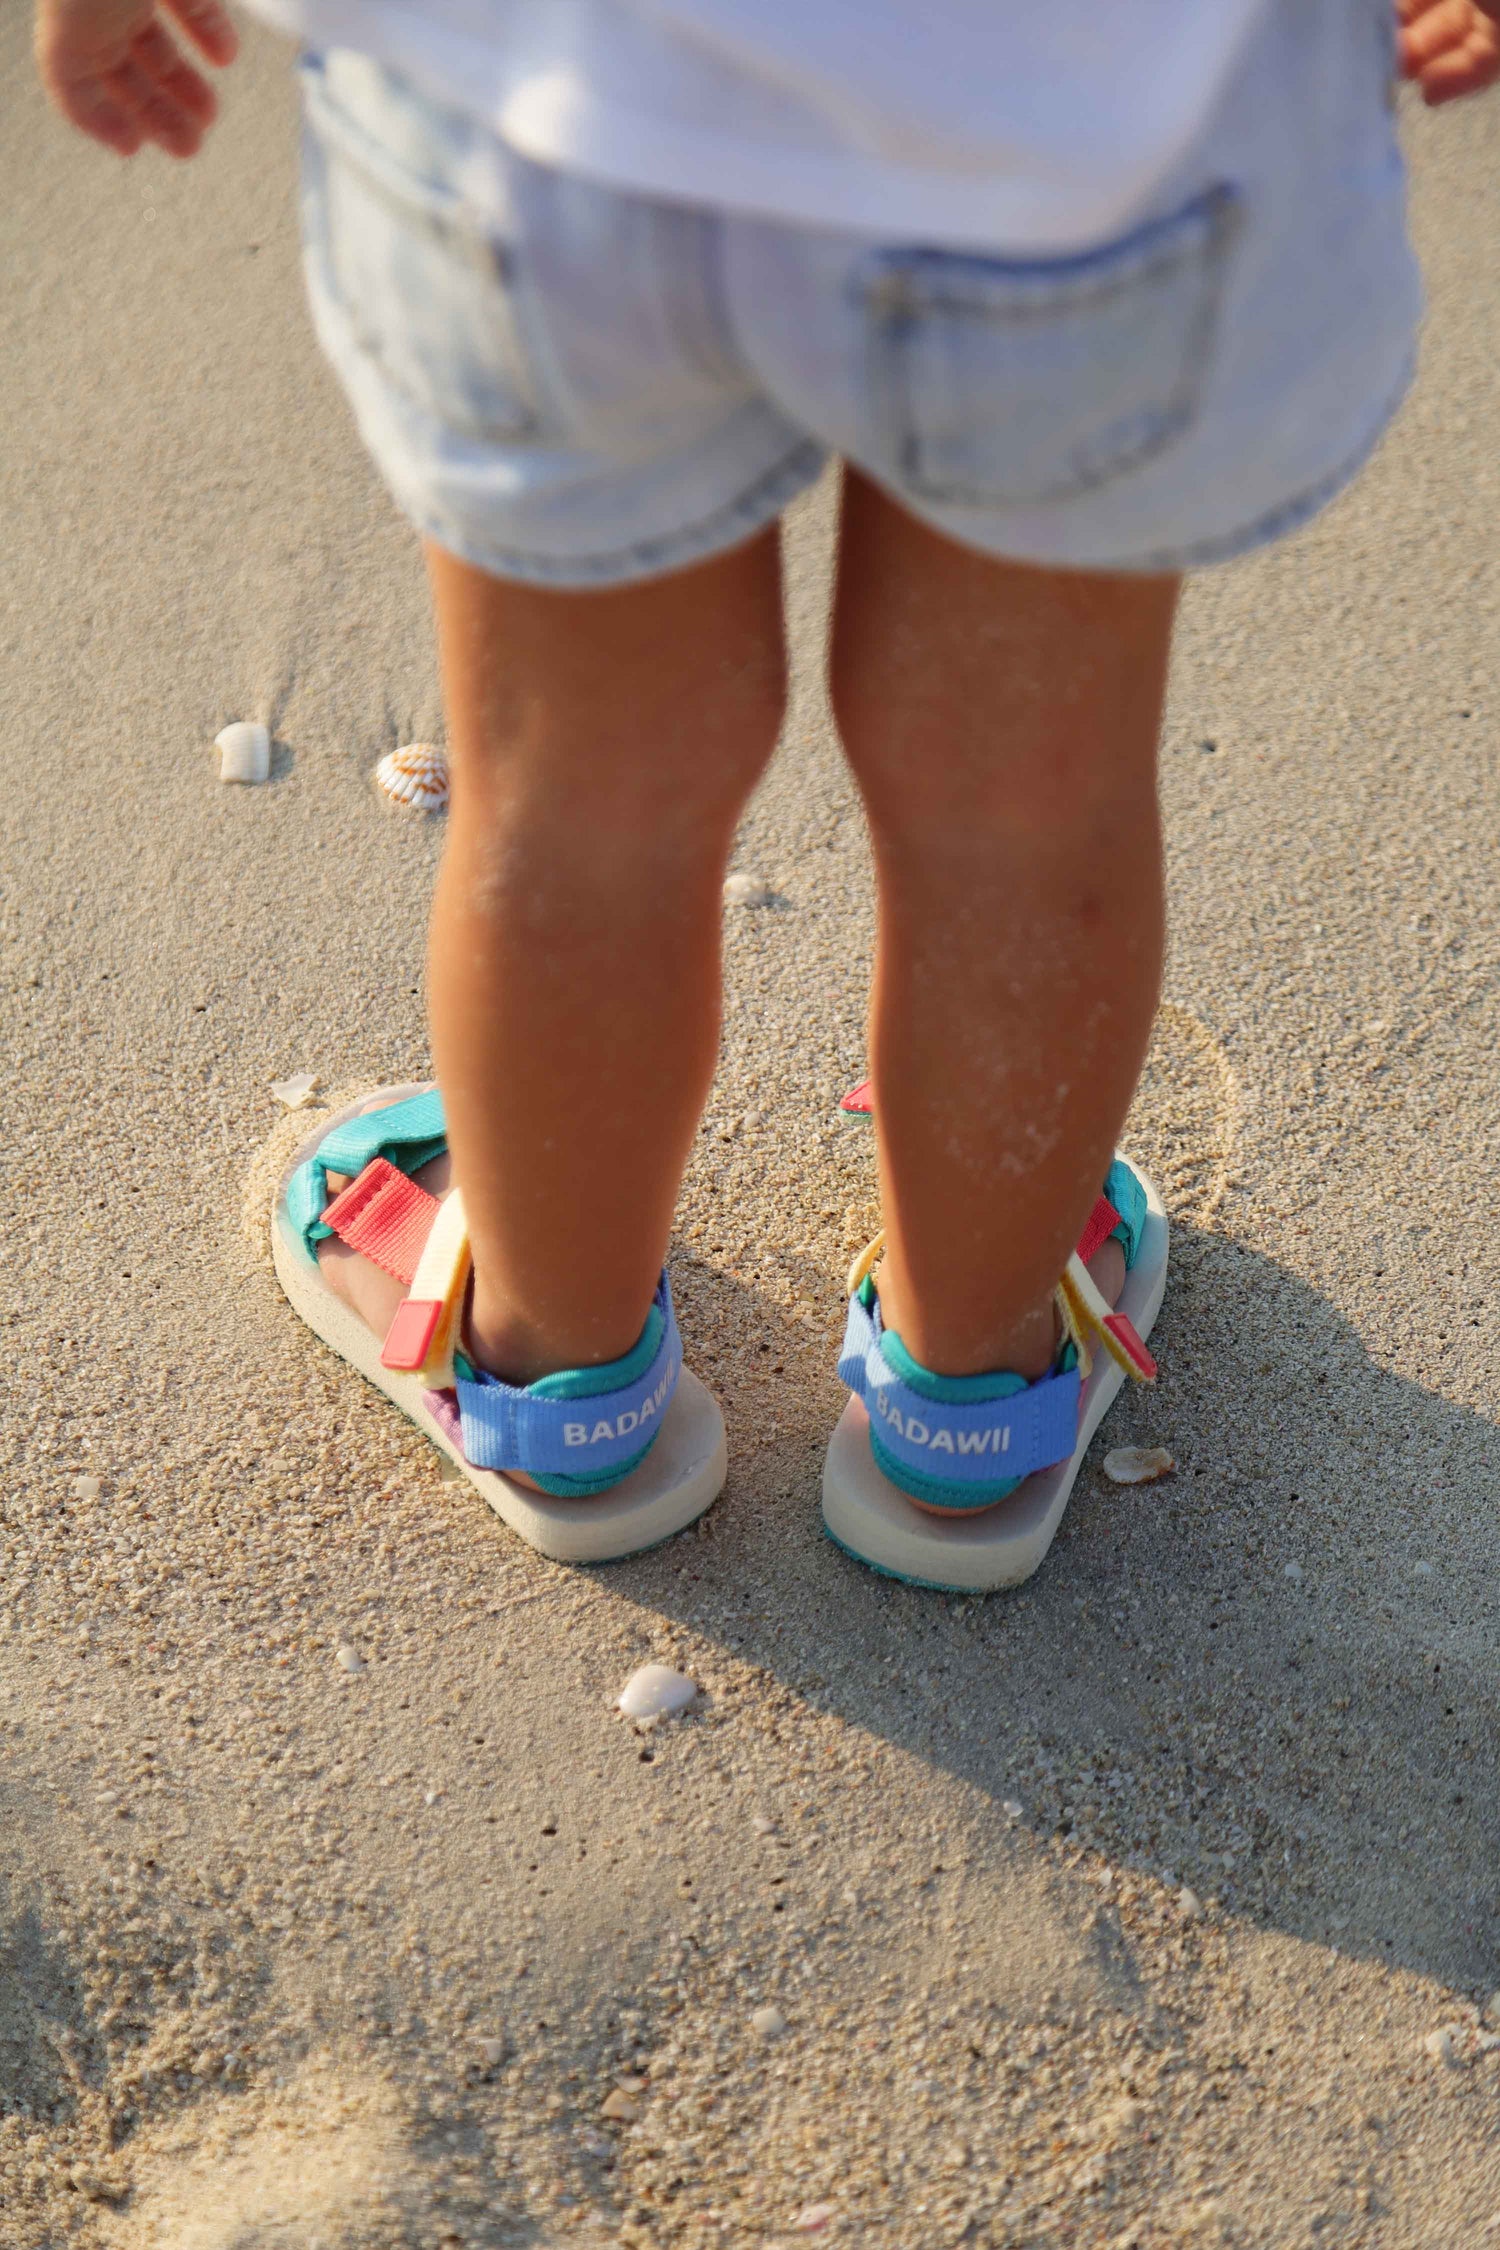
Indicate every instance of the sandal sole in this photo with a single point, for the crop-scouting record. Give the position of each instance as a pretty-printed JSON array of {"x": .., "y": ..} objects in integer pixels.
[
  {"x": 983, "y": 1549},
  {"x": 678, "y": 1481}
]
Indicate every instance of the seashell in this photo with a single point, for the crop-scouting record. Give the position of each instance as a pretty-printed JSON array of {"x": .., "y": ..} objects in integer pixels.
[
  {"x": 349, "y": 1658},
  {"x": 244, "y": 751},
  {"x": 296, "y": 1090},
  {"x": 1138, "y": 1464},
  {"x": 747, "y": 890},
  {"x": 654, "y": 1692},
  {"x": 768, "y": 2023},
  {"x": 814, "y": 2217},
  {"x": 416, "y": 776}
]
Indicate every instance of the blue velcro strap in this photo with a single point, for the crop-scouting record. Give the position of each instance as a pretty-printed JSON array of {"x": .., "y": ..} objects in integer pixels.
[
  {"x": 974, "y": 1443},
  {"x": 508, "y": 1428},
  {"x": 408, "y": 1134}
]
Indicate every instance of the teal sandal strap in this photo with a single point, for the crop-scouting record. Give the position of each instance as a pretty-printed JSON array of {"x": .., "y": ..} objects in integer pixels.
[
  {"x": 409, "y": 1134},
  {"x": 1126, "y": 1193}
]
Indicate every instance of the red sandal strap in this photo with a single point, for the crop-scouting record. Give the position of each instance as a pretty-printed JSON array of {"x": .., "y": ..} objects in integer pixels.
[
  {"x": 1103, "y": 1220},
  {"x": 385, "y": 1217},
  {"x": 1128, "y": 1337}
]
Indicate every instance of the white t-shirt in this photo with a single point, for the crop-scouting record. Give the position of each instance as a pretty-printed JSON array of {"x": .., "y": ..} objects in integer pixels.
[{"x": 1030, "y": 125}]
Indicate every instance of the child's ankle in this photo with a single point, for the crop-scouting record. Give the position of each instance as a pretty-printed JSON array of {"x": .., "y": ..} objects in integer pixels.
[
  {"x": 519, "y": 1352},
  {"x": 1027, "y": 1348},
  {"x": 552, "y": 1373}
]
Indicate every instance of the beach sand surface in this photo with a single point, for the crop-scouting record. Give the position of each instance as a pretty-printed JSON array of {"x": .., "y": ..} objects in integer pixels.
[{"x": 1154, "y": 1905}]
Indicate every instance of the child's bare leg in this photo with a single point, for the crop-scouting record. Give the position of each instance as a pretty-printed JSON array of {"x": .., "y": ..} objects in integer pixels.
[
  {"x": 602, "y": 746},
  {"x": 1002, "y": 723}
]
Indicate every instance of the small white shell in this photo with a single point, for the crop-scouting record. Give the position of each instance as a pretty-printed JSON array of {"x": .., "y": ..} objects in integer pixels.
[
  {"x": 768, "y": 2023},
  {"x": 416, "y": 776},
  {"x": 747, "y": 890},
  {"x": 295, "y": 1091},
  {"x": 1138, "y": 1464},
  {"x": 244, "y": 751},
  {"x": 655, "y": 1691}
]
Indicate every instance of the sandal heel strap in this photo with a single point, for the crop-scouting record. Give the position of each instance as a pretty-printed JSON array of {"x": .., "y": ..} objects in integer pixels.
[
  {"x": 599, "y": 1434},
  {"x": 963, "y": 1443}
]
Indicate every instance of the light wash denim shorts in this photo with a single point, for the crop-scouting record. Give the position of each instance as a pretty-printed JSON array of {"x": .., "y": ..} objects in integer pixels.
[{"x": 576, "y": 386}]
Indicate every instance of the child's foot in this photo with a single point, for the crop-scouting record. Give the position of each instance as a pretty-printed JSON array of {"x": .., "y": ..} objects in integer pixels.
[
  {"x": 371, "y": 1293},
  {"x": 367, "y": 1289},
  {"x": 961, "y": 1482},
  {"x": 1106, "y": 1269},
  {"x": 588, "y": 1464}
]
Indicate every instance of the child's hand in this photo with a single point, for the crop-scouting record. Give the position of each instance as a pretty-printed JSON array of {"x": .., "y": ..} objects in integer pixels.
[
  {"x": 1450, "y": 47},
  {"x": 114, "y": 72}
]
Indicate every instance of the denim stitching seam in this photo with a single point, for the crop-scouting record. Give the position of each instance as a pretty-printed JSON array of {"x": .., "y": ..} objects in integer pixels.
[{"x": 758, "y": 505}]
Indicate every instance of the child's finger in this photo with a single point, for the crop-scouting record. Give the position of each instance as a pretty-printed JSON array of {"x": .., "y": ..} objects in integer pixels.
[
  {"x": 158, "y": 116},
  {"x": 209, "y": 27},
  {"x": 1434, "y": 33},
  {"x": 175, "y": 76},
  {"x": 90, "y": 108},
  {"x": 1464, "y": 70}
]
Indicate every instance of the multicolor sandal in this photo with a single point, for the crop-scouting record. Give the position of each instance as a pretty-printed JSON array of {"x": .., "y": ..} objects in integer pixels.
[
  {"x": 626, "y": 1454},
  {"x": 960, "y": 1482}
]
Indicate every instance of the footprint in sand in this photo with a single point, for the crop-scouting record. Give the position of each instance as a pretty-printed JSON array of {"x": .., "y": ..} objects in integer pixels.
[{"x": 1184, "y": 1120}]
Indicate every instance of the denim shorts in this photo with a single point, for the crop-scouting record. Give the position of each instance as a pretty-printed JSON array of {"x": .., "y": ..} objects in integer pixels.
[{"x": 573, "y": 385}]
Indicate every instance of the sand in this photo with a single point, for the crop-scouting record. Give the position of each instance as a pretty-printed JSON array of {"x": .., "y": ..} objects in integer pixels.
[{"x": 1155, "y": 1905}]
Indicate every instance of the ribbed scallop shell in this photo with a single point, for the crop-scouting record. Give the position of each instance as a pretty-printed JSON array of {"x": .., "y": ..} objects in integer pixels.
[{"x": 416, "y": 776}]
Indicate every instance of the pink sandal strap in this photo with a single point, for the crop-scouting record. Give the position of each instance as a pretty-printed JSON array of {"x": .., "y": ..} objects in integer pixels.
[{"x": 385, "y": 1217}]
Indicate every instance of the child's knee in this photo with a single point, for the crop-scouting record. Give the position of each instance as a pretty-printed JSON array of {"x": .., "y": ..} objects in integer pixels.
[{"x": 640, "y": 825}]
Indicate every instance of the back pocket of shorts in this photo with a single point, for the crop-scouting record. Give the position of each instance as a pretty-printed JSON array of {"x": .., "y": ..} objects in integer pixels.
[
  {"x": 995, "y": 382},
  {"x": 425, "y": 283}
]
